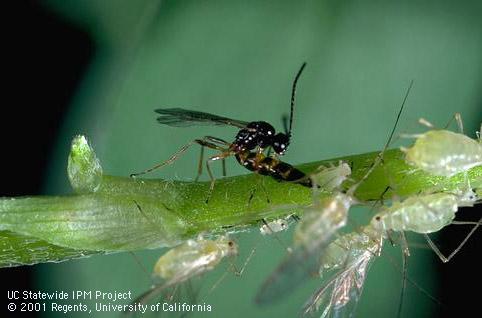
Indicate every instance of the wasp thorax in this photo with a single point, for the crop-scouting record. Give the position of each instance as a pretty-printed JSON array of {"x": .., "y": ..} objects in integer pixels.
[{"x": 256, "y": 134}]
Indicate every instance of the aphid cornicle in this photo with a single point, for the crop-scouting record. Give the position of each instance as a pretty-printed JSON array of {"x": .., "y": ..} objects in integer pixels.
[{"x": 443, "y": 152}]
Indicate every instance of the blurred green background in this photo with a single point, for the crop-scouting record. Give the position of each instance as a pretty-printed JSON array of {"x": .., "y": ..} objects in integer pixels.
[{"x": 238, "y": 59}]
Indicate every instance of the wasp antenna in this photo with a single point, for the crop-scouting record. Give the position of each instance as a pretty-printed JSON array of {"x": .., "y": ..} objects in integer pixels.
[{"x": 293, "y": 93}]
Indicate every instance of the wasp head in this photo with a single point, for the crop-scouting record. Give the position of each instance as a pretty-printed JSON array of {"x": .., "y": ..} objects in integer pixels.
[{"x": 280, "y": 143}]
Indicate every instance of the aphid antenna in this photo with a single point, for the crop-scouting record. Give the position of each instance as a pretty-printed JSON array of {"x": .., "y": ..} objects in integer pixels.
[
  {"x": 292, "y": 103},
  {"x": 216, "y": 284},
  {"x": 379, "y": 158},
  {"x": 140, "y": 264}
]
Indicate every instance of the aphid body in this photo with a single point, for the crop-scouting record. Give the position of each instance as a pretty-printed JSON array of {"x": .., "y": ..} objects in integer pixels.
[
  {"x": 274, "y": 226},
  {"x": 188, "y": 260},
  {"x": 423, "y": 213},
  {"x": 352, "y": 245},
  {"x": 321, "y": 220},
  {"x": 331, "y": 178},
  {"x": 444, "y": 153},
  {"x": 351, "y": 254},
  {"x": 193, "y": 258}
]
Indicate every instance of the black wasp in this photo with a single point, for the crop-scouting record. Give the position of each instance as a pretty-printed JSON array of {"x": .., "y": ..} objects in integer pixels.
[{"x": 248, "y": 146}]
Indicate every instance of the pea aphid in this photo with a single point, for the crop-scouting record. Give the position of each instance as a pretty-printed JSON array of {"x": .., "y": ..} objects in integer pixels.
[
  {"x": 351, "y": 255},
  {"x": 444, "y": 153},
  {"x": 190, "y": 259},
  {"x": 330, "y": 178},
  {"x": 424, "y": 214},
  {"x": 274, "y": 226}
]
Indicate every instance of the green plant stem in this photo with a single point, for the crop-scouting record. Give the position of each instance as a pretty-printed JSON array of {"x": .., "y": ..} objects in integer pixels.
[{"x": 130, "y": 214}]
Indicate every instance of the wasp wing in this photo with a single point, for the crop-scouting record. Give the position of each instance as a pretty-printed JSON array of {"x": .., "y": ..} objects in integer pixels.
[
  {"x": 179, "y": 117},
  {"x": 296, "y": 268}
]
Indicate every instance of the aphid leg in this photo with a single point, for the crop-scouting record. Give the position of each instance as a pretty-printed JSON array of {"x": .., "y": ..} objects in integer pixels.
[
  {"x": 448, "y": 258},
  {"x": 460, "y": 124},
  {"x": 251, "y": 195},
  {"x": 426, "y": 123},
  {"x": 248, "y": 259},
  {"x": 259, "y": 182},
  {"x": 410, "y": 136},
  {"x": 405, "y": 255},
  {"x": 235, "y": 271},
  {"x": 215, "y": 285},
  {"x": 389, "y": 236},
  {"x": 465, "y": 223},
  {"x": 382, "y": 197},
  {"x": 404, "y": 244},
  {"x": 412, "y": 282},
  {"x": 276, "y": 237},
  {"x": 458, "y": 119}
]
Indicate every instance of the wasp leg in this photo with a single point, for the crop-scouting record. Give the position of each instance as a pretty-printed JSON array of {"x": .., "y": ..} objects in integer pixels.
[
  {"x": 200, "y": 164},
  {"x": 224, "y": 166},
  {"x": 221, "y": 142},
  {"x": 222, "y": 155},
  {"x": 203, "y": 142}
]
